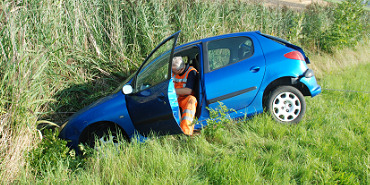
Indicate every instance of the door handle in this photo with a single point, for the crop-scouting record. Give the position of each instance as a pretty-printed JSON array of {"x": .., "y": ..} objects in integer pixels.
[
  {"x": 254, "y": 69},
  {"x": 161, "y": 97}
]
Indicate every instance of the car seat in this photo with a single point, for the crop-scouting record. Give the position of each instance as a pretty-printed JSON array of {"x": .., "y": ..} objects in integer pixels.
[
  {"x": 195, "y": 64},
  {"x": 244, "y": 51}
]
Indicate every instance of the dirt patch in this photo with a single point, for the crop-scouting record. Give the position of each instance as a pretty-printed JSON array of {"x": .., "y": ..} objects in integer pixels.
[{"x": 295, "y": 4}]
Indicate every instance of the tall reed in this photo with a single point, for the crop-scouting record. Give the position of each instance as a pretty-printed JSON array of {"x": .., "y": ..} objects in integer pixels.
[{"x": 58, "y": 56}]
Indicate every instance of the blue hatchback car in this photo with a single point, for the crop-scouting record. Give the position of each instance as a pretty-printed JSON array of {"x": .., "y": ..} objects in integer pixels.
[{"x": 248, "y": 72}]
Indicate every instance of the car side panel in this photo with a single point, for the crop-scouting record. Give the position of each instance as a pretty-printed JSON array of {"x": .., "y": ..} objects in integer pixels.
[
  {"x": 278, "y": 66},
  {"x": 109, "y": 109},
  {"x": 236, "y": 85}
]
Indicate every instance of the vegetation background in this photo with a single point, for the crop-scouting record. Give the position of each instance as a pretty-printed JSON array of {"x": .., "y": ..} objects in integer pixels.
[{"x": 58, "y": 56}]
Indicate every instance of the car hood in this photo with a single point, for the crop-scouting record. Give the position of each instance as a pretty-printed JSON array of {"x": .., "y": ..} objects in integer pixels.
[{"x": 96, "y": 106}]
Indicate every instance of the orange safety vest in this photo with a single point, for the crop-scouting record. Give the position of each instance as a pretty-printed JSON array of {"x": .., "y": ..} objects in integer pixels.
[{"x": 180, "y": 81}]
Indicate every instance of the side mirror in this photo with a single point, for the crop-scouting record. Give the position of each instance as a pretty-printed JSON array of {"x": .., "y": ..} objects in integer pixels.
[{"x": 127, "y": 89}]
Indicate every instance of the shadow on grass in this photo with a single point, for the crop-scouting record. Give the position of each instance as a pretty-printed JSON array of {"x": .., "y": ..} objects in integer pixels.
[{"x": 77, "y": 96}]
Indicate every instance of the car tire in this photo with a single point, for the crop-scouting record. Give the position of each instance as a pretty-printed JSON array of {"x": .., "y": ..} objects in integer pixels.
[
  {"x": 103, "y": 133},
  {"x": 286, "y": 104}
]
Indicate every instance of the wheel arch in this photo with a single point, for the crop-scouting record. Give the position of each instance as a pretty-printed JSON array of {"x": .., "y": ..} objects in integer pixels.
[
  {"x": 291, "y": 81},
  {"x": 94, "y": 126}
]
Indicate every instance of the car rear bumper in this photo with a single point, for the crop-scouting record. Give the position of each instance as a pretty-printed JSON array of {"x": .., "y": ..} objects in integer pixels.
[{"x": 312, "y": 85}]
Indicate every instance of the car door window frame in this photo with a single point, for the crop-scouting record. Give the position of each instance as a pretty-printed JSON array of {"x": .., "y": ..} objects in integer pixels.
[
  {"x": 153, "y": 73},
  {"x": 144, "y": 64},
  {"x": 206, "y": 55}
]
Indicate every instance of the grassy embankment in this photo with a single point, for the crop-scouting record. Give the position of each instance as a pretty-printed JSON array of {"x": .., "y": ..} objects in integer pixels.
[
  {"x": 330, "y": 146},
  {"x": 57, "y": 56}
]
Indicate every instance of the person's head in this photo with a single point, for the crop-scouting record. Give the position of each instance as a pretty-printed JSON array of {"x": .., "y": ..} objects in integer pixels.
[{"x": 178, "y": 65}]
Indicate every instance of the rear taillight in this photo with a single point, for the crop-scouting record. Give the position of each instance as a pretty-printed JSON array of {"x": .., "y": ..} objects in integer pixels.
[{"x": 296, "y": 55}]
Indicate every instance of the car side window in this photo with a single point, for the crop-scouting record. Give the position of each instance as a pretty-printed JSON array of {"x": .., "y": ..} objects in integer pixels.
[
  {"x": 218, "y": 57},
  {"x": 156, "y": 68},
  {"x": 154, "y": 73},
  {"x": 224, "y": 52}
]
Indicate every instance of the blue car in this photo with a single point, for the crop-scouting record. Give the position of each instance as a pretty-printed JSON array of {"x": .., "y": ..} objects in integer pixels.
[{"x": 247, "y": 72}]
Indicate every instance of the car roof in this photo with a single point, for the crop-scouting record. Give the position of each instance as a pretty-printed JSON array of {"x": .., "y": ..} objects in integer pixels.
[{"x": 219, "y": 37}]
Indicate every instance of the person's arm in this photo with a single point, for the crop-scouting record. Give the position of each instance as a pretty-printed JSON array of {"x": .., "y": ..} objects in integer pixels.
[
  {"x": 183, "y": 91},
  {"x": 188, "y": 89}
]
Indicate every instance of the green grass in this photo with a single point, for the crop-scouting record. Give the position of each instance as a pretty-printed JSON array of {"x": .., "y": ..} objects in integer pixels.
[
  {"x": 330, "y": 146},
  {"x": 338, "y": 1},
  {"x": 58, "y": 56}
]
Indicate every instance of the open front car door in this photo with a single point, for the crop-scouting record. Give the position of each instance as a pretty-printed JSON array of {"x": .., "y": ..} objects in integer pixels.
[{"x": 153, "y": 104}]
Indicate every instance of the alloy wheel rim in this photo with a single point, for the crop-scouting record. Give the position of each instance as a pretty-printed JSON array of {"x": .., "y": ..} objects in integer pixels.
[
  {"x": 106, "y": 140},
  {"x": 286, "y": 106}
]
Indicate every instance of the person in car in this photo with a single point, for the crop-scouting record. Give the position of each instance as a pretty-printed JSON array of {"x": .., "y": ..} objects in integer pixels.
[{"x": 184, "y": 77}]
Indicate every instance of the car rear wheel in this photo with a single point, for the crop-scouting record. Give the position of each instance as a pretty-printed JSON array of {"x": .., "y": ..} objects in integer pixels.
[{"x": 286, "y": 104}]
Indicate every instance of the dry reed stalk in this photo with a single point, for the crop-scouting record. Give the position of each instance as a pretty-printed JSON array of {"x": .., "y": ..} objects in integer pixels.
[
  {"x": 16, "y": 147},
  {"x": 340, "y": 59}
]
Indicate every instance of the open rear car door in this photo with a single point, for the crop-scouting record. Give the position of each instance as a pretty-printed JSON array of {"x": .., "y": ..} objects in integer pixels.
[{"x": 153, "y": 105}]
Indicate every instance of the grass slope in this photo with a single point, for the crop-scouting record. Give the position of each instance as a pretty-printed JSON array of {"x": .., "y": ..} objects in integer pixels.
[
  {"x": 58, "y": 56},
  {"x": 330, "y": 146}
]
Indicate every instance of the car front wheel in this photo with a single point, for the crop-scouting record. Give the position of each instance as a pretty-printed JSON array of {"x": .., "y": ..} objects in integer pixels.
[
  {"x": 286, "y": 104},
  {"x": 103, "y": 134}
]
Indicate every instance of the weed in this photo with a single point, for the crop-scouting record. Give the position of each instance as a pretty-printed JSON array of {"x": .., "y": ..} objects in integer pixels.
[
  {"x": 58, "y": 56},
  {"x": 218, "y": 121},
  {"x": 52, "y": 153}
]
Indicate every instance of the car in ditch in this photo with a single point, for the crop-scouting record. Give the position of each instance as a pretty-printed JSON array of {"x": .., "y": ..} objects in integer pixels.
[{"x": 247, "y": 72}]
